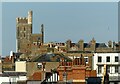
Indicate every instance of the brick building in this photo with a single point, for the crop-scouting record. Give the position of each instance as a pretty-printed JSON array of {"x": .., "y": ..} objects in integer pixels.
[{"x": 75, "y": 71}]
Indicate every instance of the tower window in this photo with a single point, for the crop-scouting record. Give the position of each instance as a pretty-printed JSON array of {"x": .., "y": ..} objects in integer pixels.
[
  {"x": 24, "y": 34},
  {"x": 24, "y": 28},
  {"x": 18, "y": 31}
]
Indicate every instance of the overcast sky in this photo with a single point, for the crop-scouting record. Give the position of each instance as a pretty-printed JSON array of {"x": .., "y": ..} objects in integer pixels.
[{"x": 63, "y": 21}]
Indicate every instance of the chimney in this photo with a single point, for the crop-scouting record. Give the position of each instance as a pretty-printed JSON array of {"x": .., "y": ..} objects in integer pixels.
[
  {"x": 68, "y": 44},
  {"x": 81, "y": 45},
  {"x": 93, "y": 44},
  {"x": 110, "y": 44}
]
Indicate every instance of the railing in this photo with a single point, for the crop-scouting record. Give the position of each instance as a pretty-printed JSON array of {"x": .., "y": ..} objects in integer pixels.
[{"x": 53, "y": 78}]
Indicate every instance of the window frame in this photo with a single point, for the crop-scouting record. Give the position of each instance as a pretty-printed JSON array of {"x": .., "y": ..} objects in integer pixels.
[
  {"x": 86, "y": 59},
  {"x": 108, "y": 69},
  {"x": 117, "y": 59},
  {"x": 107, "y": 59},
  {"x": 100, "y": 59},
  {"x": 116, "y": 69}
]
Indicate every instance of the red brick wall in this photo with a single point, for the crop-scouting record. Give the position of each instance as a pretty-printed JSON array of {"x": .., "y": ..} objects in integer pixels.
[{"x": 77, "y": 73}]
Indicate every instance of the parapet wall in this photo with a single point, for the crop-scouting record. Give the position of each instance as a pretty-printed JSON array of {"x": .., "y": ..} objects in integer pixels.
[{"x": 22, "y": 20}]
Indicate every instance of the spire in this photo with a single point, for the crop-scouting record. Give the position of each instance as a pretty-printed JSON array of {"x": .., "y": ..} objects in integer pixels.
[
  {"x": 42, "y": 29},
  {"x": 42, "y": 32}
]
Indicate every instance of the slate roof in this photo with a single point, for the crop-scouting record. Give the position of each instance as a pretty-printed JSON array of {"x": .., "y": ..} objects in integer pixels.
[
  {"x": 101, "y": 45},
  {"x": 49, "y": 57},
  {"x": 14, "y": 74},
  {"x": 98, "y": 45},
  {"x": 86, "y": 45}
]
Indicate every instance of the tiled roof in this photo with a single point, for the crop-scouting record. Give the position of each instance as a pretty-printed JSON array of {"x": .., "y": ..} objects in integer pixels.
[{"x": 7, "y": 59}]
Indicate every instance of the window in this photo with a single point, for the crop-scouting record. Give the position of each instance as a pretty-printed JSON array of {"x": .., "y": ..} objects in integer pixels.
[
  {"x": 18, "y": 31},
  {"x": 108, "y": 59},
  {"x": 39, "y": 65},
  {"x": 13, "y": 79},
  {"x": 99, "y": 59},
  {"x": 108, "y": 69},
  {"x": 24, "y": 28},
  {"x": 116, "y": 69},
  {"x": 76, "y": 61},
  {"x": 24, "y": 34},
  {"x": 116, "y": 58},
  {"x": 86, "y": 60},
  {"x": 99, "y": 69}
]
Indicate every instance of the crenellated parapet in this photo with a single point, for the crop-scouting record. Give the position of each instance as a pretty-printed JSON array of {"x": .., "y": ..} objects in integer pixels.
[
  {"x": 22, "y": 20},
  {"x": 25, "y": 20}
]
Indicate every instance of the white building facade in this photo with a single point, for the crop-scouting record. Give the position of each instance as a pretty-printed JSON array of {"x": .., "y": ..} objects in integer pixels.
[
  {"x": 111, "y": 60},
  {"x": 12, "y": 79}
]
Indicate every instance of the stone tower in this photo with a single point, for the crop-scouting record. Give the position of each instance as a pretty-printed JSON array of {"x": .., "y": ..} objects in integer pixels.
[
  {"x": 24, "y": 31},
  {"x": 27, "y": 42}
]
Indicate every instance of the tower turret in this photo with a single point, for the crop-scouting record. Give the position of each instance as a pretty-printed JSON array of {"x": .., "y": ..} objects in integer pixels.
[{"x": 30, "y": 17}]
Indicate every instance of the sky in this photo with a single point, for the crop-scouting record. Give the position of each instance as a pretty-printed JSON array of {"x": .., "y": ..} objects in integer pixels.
[
  {"x": 0, "y": 29},
  {"x": 62, "y": 21},
  {"x": 60, "y": 1}
]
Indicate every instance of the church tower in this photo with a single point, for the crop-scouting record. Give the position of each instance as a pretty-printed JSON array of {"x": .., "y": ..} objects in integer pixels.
[
  {"x": 27, "y": 42},
  {"x": 24, "y": 31}
]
